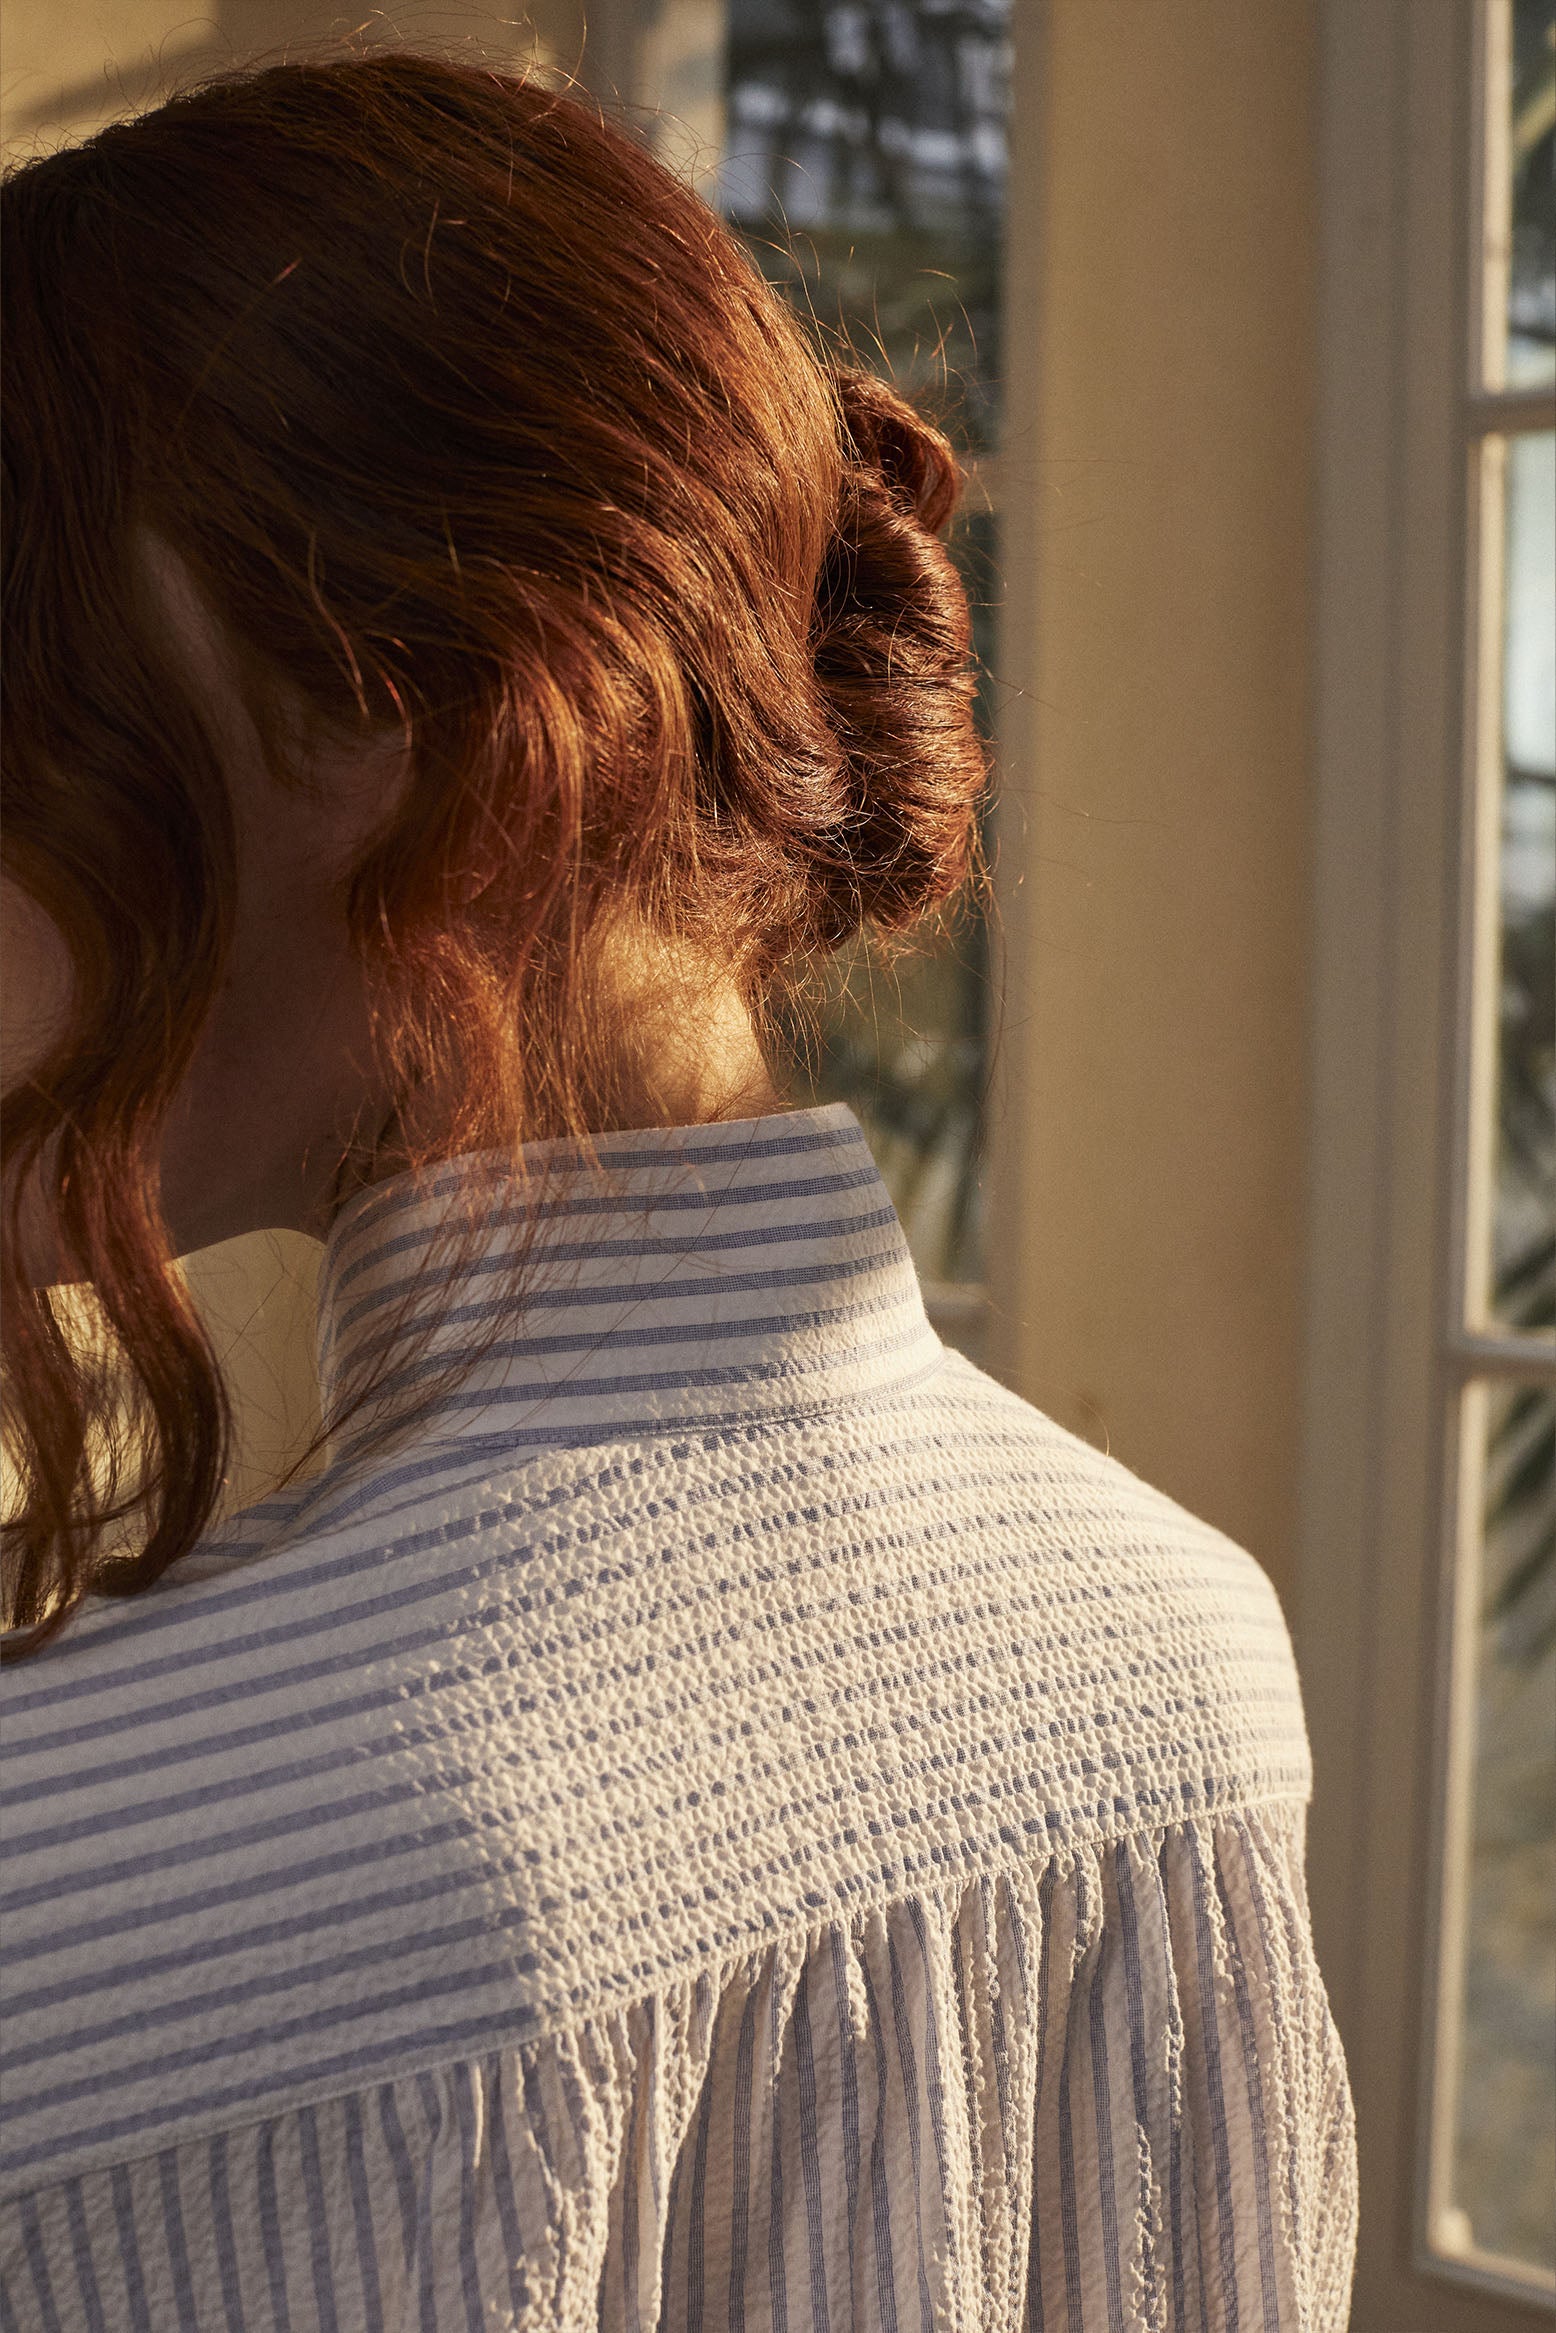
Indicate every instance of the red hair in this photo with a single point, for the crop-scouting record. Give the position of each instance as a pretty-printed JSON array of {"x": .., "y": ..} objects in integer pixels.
[{"x": 468, "y": 419}]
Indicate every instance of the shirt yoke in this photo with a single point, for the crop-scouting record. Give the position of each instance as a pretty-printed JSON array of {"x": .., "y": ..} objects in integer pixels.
[{"x": 401, "y": 1792}]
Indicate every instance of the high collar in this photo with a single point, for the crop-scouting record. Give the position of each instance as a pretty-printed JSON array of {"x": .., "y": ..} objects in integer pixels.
[{"x": 698, "y": 1274}]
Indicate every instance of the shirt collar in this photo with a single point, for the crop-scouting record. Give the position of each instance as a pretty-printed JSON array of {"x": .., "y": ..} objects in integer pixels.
[{"x": 698, "y": 1275}]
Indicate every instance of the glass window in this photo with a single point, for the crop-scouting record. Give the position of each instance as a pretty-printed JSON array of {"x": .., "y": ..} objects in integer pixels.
[
  {"x": 1504, "y": 2135},
  {"x": 1522, "y": 1291},
  {"x": 1531, "y": 195},
  {"x": 1494, "y": 2119},
  {"x": 859, "y": 148}
]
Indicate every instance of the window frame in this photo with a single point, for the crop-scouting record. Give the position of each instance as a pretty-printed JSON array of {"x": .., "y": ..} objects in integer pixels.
[{"x": 1399, "y": 566}]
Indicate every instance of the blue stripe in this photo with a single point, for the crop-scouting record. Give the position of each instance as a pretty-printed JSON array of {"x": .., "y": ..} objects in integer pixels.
[
  {"x": 362, "y": 2218},
  {"x": 822, "y": 1233},
  {"x": 258, "y": 1883},
  {"x": 318, "y": 2224},
  {"x": 1102, "y": 2107},
  {"x": 696, "y": 2228},
  {"x": 503, "y": 1452},
  {"x": 426, "y": 2225},
  {"x": 515, "y": 2014},
  {"x": 1175, "y": 2090},
  {"x": 465, "y": 1177},
  {"x": 630, "y": 2263},
  {"x": 992, "y": 1896},
  {"x": 740, "y": 2222},
  {"x": 503, "y": 2182},
  {"x": 541, "y": 1227},
  {"x": 810, "y": 2159},
  {"x": 976, "y": 1991},
  {"x": 907, "y": 2061},
  {"x": 1262, "y": 1914},
  {"x": 848, "y": 2063},
  {"x": 934, "y": 2090},
  {"x": 669, "y": 1202},
  {"x": 173, "y": 2237},
  {"x": 38, "y": 2268},
  {"x": 1226, "y": 2227},
  {"x": 880, "y": 2184},
  {"x": 272, "y": 2235},
  {"x": 399, "y": 2155},
  {"x": 156, "y": 1613},
  {"x": 222, "y": 2230},
  {"x": 649, "y": 1336},
  {"x": 465, "y": 2096},
  {"x": 204, "y": 1950},
  {"x": 1134, "y": 1990},
  {"x": 346, "y": 2065},
  {"x": 1269, "y": 2295},
  {"x": 129, "y": 2249},
  {"x": 1040, "y": 2203},
  {"x": 82, "y": 2260},
  {"x": 787, "y": 1372},
  {"x": 1069, "y": 2223},
  {"x": 777, "y": 2278},
  {"x": 678, "y": 1149}
]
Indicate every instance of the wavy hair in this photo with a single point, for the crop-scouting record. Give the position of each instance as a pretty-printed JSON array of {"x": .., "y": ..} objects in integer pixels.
[{"x": 470, "y": 422}]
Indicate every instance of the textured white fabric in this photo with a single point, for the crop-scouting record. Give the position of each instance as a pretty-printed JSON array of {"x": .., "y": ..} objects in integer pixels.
[{"x": 745, "y": 1824}]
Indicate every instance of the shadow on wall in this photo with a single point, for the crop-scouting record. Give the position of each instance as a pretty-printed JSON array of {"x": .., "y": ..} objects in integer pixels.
[{"x": 67, "y": 70}]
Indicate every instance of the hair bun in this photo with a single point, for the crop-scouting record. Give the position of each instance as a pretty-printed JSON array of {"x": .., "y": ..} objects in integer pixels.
[
  {"x": 891, "y": 639},
  {"x": 916, "y": 464}
]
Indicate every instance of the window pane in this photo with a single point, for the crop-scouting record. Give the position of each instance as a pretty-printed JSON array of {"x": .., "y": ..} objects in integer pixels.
[
  {"x": 1522, "y": 1290},
  {"x": 1531, "y": 284},
  {"x": 859, "y": 148},
  {"x": 1503, "y": 2184},
  {"x": 873, "y": 133}
]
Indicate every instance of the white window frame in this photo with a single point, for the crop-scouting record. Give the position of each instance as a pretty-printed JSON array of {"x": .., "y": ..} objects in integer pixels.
[{"x": 1400, "y": 845}]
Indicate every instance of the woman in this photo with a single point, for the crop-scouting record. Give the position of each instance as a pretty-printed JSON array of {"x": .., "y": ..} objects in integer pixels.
[{"x": 707, "y": 1811}]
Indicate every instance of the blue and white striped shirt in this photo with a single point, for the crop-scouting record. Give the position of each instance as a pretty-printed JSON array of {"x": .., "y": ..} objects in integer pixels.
[{"x": 742, "y": 1822}]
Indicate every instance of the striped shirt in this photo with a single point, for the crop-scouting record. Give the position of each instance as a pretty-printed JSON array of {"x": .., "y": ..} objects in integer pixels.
[{"x": 740, "y": 1823}]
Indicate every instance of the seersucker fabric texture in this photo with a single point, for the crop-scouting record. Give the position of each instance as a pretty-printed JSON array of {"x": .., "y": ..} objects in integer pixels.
[{"x": 741, "y": 1822}]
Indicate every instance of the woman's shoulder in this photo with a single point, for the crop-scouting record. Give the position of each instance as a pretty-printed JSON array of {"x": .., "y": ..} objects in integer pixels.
[
  {"x": 1096, "y": 1495},
  {"x": 1098, "y": 1548}
]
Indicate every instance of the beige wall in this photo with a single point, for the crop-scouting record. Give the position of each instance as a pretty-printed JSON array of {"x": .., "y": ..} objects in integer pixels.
[
  {"x": 66, "y": 65},
  {"x": 1161, "y": 331}
]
